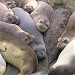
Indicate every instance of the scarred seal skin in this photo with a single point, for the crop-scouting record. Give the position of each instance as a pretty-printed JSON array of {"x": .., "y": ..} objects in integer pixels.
[
  {"x": 7, "y": 15},
  {"x": 16, "y": 31},
  {"x": 18, "y": 54},
  {"x": 68, "y": 34},
  {"x": 28, "y": 24},
  {"x": 41, "y": 16},
  {"x": 59, "y": 20},
  {"x": 8, "y": 3},
  {"x": 65, "y": 64},
  {"x": 27, "y": 5}
]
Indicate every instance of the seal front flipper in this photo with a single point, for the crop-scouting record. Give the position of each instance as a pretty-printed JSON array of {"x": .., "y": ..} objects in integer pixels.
[{"x": 2, "y": 47}]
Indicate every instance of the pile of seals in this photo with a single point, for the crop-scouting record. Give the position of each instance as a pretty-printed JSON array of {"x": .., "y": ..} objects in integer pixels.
[{"x": 30, "y": 29}]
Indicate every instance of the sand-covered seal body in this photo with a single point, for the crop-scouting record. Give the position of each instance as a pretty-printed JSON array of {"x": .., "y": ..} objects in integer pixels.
[
  {"x": 68, "y": 34},
  {"x": 27, "y": 5},
  {"x": 41, "y": 15},
  {"x": 7, "y": 15},
  {"x": 8, "y": 3},
  {"x": 16, "y": 31},
  {"x": 59, "y": 21},
  {"x": 65, "y": 64},
  {"x": 27, "y": 24},
  {"x": 18, "y": 54}
]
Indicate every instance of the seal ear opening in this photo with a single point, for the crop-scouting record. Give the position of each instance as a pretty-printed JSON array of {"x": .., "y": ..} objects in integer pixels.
[{"x": 2, "y": 48}]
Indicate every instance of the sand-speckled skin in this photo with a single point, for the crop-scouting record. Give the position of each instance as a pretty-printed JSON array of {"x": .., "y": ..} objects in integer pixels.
[
  {"x": 41, "y": 15},
  {"x": 7, "y": 15},
  {"x": 27, "y": 5},
  {"x": 28, "y": 24},
  {"x": 8, "y": 3},
  {"x": 68, "y": 34},
  {"x": 19, "y": 54},
  {"x": 2, "y": 65},
  {"x": 65, "y": 64},
  {"x": 16, "y": 31}
]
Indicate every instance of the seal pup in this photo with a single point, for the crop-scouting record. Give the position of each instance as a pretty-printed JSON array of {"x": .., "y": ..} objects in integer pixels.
[
  {"x": 7, "y": 15},
  {"x": 16, "y": 31},
  {"x": 59, "y": 20},
  {"x": 68, "y": 34},
  {"x": 41, "y": 16},
  {"x": 8, "y": 3},
  {"x": 28, "y": 24},
  {"x": 65, "y": 64},
  {"x": 18, "y": 54},
  {"x": 27, "y": 5}
]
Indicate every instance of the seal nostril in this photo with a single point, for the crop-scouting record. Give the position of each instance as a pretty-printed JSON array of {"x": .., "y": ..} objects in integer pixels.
[{"x": 65, "y": 40}]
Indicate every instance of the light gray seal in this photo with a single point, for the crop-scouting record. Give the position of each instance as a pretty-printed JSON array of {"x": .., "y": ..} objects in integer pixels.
[
  {"x": 28, "y": 24},
  {"x": 65, "y": 64},
  {"x": 41, "y": 16},
  {"x": 16, "y": 32},
  {"x": 68, "y": 34},
  {"x": 18, "y": 54},
  {"x": 8, "y": 3},
  {"x": 7, "y": 15},
  {"x": 27, "y": 5}
]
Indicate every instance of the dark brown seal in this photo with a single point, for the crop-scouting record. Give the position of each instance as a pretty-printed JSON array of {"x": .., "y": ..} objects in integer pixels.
[
  {"x": 68, "y": 34},
  {"x": 65, "y": 64},
  {"x": 7, "y": 15},
  {"x": 18, "y": 54},
  {"x": 16, "y": 31},
  {"x": 59, "y": 21},
  {"x": 41, "y": 16}
]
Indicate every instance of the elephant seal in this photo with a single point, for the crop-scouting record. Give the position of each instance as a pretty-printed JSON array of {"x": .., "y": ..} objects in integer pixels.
[
  {"x": 8, "y": 3},
  {"x": 28, "y": 24},
  {"x": 7, "y": 15},
  {"x": 65, "y": 64},
  {"x": 68, "y": 34},
  {"x": 2, "y": 65},
  {"x": 41, "y": 16},
  {"x": 18, "y": 54},
  {"x": 59, "y": 21},
  {"x": 27, "y": 5},
  {"x": 16, "y": 31}
]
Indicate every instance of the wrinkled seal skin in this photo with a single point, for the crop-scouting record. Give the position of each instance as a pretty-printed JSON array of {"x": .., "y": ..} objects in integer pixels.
[
  {"x": 65, "y": 64},
  {"x": 59, "y": 21},
  {"x": 27, "y": 5},
  {"x": 68, "y": 34},
  {"x": 8, "y": 3},
  {"x": 27, "y": 24},
  {"x": 41, "y": 16},
  {"x": 2, "y": 65},
  {"x": 7, "y": 15},
  {"x": 18, "y": 54},
  {"x": 16, "y": 31}
]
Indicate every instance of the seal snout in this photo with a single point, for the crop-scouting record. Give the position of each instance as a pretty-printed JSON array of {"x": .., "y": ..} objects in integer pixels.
[
  {"x": 40, "y": 52},
  {"x": 62, "y": 42},
  {"x": 43, "y": 25}
]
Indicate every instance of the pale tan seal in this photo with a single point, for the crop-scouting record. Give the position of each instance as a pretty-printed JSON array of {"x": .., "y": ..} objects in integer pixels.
[
  {"x": 8, "y": 3},
  {"x": 7, "y": 15},
  {"x": 68, "y": 34},
  {"x": 41, "y": 16},
  {"x": 18, "y": 54},
  {"x": 27, "y": 5},
  {"x": 65, "y": 64},
  {"x": 16, "y": 31}
]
